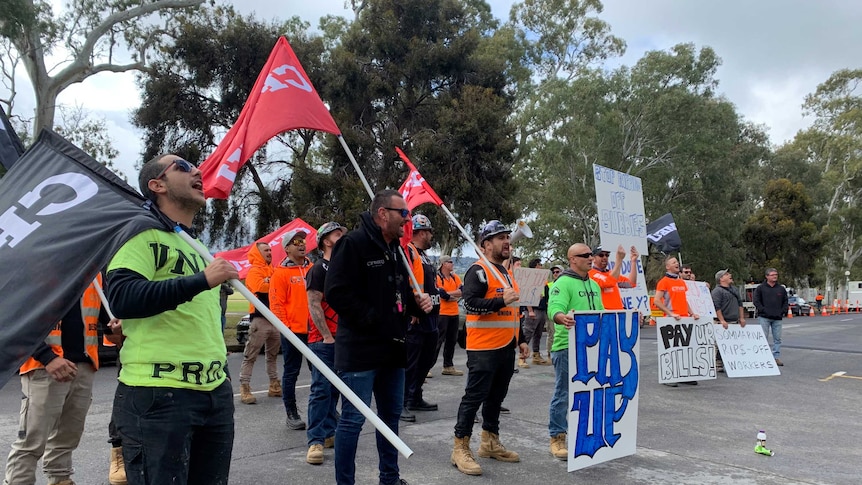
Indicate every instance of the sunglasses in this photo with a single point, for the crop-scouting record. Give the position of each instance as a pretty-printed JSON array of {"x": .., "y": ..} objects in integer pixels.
[
  {"x": 585, "y": 255},
  {"x": 556, "y": 271},
  {"x": 181, "y": 164},
  {"x": 603, "y": 255},
  {"x": 297, "y": 241},
  {"x": 403, "y": 212}
]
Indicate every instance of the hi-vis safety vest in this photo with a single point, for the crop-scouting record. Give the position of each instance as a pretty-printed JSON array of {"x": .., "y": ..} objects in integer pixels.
[
  {"x": 494, "y": 330},
  {"x": 90, "y": 307}
]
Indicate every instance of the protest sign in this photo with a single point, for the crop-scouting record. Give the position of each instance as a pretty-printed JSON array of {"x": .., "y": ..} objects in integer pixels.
[
  {"x": 700, "y": 299},
  {"x": 686, "y": 349},
  {"x": 531, "y": 284},
  {"x": 634, "y": 298},
  {"x": 745, "y": 351},
  {"x": 620, "y": 208},
  {"x": 604, "y": 349}
]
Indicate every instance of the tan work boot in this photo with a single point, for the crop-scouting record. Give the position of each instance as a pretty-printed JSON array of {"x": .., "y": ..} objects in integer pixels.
[
  {"x": 315, "y": 454},
  {"x": 274, "y": 388},
  {"x": 462, "y": 457},
  {"x": 539, "y": 360},
  {"x": 117, "y": 468},
  {"x": 522, "y": 363},
  {"x": 329, "y": 442},
  {"x": 558, "y": 446},
  {"x": 490, "y": 447},
  {"x": 451, "y": 371},
  {"x": 245, "y": 394}
]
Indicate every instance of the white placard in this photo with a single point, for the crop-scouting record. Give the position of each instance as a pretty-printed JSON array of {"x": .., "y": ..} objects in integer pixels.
[
  {"x": 620, "y": 208},
  {"x": 700, "y": 299},
  {"x": 531, "y": 284},
  {"x": 745, "y": 351},
  {"x": 633, "y": 298},
  {"x": 604, "y": 350},
  {"x": 686, "y": 349}
]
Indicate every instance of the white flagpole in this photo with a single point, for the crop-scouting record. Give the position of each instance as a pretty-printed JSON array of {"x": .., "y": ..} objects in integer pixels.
[
  {"x": 311, "y": 356},
  {"x": 104, "y": 300},
  {"x": 416, "y": 287}
]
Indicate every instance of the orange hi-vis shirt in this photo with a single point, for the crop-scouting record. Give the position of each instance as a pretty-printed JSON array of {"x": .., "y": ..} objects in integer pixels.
[
  {"x": 674, "y": 297},
  {"x": 453, "y": 282},
  {"x": 259, "y": 275},
  {"x": 288, "y": 298},
  {"x": 611, "y": 298}
]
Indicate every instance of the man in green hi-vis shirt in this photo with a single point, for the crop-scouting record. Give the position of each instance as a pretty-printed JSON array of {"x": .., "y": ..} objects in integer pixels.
[
  {"x": 174, "y": 404},
  {"x": 573, "y": 291}
]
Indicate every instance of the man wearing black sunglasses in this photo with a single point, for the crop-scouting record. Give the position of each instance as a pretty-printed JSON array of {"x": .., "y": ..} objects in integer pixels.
[
  {"x": 174, "y": 404},
  {"x": 368, "y": 287}
]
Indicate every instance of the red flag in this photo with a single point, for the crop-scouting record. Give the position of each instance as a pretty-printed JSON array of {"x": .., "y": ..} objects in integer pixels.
[
  {"x": 416, "y": 192},
  {"x": 239, "y": 257},
  {"x": 415, "y": 189},
  {"x": 282, "y": 99}
]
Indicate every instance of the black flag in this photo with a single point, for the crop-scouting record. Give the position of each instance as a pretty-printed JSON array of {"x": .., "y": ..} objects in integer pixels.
[
  {"x": 662, "y": 232},
  {"x": 10, "y": 145},
  {"x": 63, "y": 215}
]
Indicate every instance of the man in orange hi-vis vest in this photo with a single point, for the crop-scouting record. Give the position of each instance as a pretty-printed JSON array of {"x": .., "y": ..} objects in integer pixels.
[
  {"x": 493, "y": 332},
  {"x": 57, "y": 383}
]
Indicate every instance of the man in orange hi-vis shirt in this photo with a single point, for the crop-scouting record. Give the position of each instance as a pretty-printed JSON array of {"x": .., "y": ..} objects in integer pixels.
[
  {"x": 610, "y": 281},
  {"x": 670, "y": 298},
  {"x": 289, "y": 301}
]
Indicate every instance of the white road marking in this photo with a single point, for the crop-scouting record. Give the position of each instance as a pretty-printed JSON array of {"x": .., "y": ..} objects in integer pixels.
[{"x": 267, "y": 390}]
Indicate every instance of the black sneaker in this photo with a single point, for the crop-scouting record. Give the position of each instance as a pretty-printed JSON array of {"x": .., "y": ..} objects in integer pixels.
[
  {"x": 400, "y": 481},
  {"x": 293, "y": 420},
  {"x": 407, "y": 416},
  {"x": 689, "y": 383},
  {"x": 504, "y": 410},
  {"x": 672, "y": 384},
  {"x": 422, "y": 406}
]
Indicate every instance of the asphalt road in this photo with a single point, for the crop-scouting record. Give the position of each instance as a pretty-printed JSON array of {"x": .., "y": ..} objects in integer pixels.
[{"x": 686, "y": 435}]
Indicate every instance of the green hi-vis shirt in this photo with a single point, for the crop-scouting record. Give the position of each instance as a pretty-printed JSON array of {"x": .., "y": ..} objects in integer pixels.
[
  {"x": 182, "y": 348},
  {"x": 571, "y": 293}
]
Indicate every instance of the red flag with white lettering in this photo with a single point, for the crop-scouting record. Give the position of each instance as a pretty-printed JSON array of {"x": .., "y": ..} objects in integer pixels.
[
  {"x": 282, "y": 99},
  {"x": 416, "y": 192},
  {"x": 239, "y": 256}
]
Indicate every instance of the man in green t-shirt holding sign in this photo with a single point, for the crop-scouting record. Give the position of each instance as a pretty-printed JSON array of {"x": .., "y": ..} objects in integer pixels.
[{"x": 174, "y": 404}]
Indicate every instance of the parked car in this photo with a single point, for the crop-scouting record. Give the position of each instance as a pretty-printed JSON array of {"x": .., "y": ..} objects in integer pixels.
[
  {"x": 242, "y": 329},
  {"x": 798, "y": 306}
]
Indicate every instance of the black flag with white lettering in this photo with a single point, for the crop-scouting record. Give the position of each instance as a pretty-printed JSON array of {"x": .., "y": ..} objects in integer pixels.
[
  {"x": 11, "y": 147},
  {"x": 63, "y": 215},
  {"x": 662, "y": 232}
]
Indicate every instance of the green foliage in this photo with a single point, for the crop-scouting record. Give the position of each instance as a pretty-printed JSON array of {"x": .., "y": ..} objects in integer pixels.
[{"x": 781, "y": 234}]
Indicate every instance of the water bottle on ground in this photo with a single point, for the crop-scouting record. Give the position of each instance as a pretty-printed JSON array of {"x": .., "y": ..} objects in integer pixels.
[{"x": 760, "y": 447}]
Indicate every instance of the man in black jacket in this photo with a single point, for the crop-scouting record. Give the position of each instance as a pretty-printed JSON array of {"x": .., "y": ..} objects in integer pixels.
[
  {"x": 770, "y": 299},
  {"x": 368, "y": 286}
]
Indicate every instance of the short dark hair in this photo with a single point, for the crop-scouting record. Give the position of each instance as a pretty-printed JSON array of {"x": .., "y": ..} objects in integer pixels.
[
  {"x": 685, "y": 266},
  {"x": 534, "y": 262},
  {"x": 382, "y": 199},
  {"x": 149, "y": 171},
  {"x": 770, "y": 270}
]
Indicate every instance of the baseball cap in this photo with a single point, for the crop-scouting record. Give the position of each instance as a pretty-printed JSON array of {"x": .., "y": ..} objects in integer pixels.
[
  {"x": 292, "y": 234},
  {"x": 721, "y": 273},
  {"x": 599, "y": 249},
  {"x": 491, "y": 229},
  {"x": 445, "y": 259},
  {"x": 421, "y": 223},
  {"x": 327, "y": 228}
]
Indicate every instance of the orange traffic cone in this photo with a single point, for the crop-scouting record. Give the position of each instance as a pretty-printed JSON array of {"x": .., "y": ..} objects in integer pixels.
[
  {"x": 789, "y": 313},
  {"x": 823, "y": 312},
  {"x": 811, "y": 312}
]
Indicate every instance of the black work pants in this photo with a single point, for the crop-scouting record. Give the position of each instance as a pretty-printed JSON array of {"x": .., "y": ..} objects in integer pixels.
[{"x": 488, "y": 375}]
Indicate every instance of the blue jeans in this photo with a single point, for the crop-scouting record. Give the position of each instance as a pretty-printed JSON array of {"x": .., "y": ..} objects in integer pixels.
[
  {"x": 387, "y": 385},
  {"x": 558, "y": 412},
  {"x": 177, "y": 436},
  {"x": 323, "y": 397},
  {"x": 292, "y": 365},
  {"x": 775, "y": 325},
  {"x": 488, "y": 375}
]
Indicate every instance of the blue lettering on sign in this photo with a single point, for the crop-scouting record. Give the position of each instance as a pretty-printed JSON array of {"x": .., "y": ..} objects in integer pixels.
[{"x": 612, "y": 335}]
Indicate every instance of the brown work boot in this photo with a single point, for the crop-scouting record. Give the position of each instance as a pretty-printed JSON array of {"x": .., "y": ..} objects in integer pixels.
[
  {"x": 117, "y": 468},
  {"x": 522, "y": 363},
  {"x": 245, "y": 394},
  {"x": 329, "y": 442},
  {"x": 558, "y": 446},
  {"x": 463, "y": 458},
  {"x": 451, "y": 371},
  {"x": 315, "y": 454},
  {"x": 490, "y": 447},
  {"x": 539, "y": 360},
  {"x": 274, "y": 388}
]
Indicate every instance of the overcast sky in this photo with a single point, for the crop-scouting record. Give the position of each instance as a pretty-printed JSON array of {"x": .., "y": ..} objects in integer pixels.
[{"x": 774, "y": 53}]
